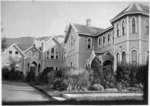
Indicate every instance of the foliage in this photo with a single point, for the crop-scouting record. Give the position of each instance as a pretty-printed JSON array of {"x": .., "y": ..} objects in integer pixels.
[
  {"x": 102, "y": 75},
  {"x": 5, "y": 73},
  {"x": 96, "y": 87},
  {"x": 97, "y": 71},
  {"x": 47, "y": 76},
  {"x": 30, "y": 76},
  {"x": 3, "y": 43},
  {"x": 12, "y": 74},
  {"x": 72, "y": 79},
  {"x": 109, "y": 80},
  {"x": 130, "y": 76}
]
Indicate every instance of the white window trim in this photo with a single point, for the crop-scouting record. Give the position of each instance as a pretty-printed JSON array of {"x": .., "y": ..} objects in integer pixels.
[
  {"x": 135, "y": 25},
  {"x": 131, "y": 55},
  {"x": 90, "y": 43}
]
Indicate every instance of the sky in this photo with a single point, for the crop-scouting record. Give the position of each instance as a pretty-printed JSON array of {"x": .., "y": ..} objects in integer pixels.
[{"x": 50, "y": 18}]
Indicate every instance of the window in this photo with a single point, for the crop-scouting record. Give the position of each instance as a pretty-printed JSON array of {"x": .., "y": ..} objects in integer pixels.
[
  {"x": 89, "y": 43},
  {"x": 133, "y": 25},
  {"x": 16, "y": 53},
  {"x": 123, "y": 57},
  {"x": 10, "y": 53},
  {"x": 47, "y": 54},
  {"x": 57, "y": 53},
  {"x": 104, "y": 40},
  {"x": 118, "y": 30},
  {"x": 118, "y": 57},
  {"x": 123, "y": 28},
  {"x": 99, "y": 42},
  {"x": 52, "y": 53},
  {"x": 147, "y": 27},
  {"x": 134, "y": 57},
  {"x": 108, "y": 39}
]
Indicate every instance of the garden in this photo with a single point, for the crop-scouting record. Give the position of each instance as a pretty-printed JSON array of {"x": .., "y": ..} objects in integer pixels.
[{"x": 126, "y": 79}]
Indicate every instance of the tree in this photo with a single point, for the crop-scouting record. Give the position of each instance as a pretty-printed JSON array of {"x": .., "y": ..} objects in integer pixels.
[
  {"x": 97, "y": 71},
  {"x": 3, "y": 43}
]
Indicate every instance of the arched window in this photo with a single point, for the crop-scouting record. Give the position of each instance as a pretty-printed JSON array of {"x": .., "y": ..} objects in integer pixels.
[
  {"x": 123, "y": 57},
  {"x": 118, "y": 30},
  {"x": 104, "y": 40},
  {"x": 57, "y": 54},
  {"x": 133, "y": 25},
  {"x": 123, "y": 28},
  {"x": 108, "y": 39},
  {"x": 147, "y": 56},
  {"x": 47, "y": 54},
  {"x": 89, "y": 43},
  {"x": 147, "y": 27},
  {"x": 52, "y": 53},
  {"x": 134, "y": 57},
  {"x": 99, "y": 42},
  {"x": 118, "y": 57}
]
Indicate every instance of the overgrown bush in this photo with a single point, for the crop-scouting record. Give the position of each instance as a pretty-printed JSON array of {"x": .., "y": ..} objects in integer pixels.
[
  {"x": 30, "y": 76},
  {"x": 109, "y": 80},
  {"x": 12, "y": 74},
  {"x": 131, "y": 76},
  {"x": 46, "y": 77},
  {"x": 97, "y": 71},
  {"x": 72, "y": 79},
  {"x": 5, "y": 73}
]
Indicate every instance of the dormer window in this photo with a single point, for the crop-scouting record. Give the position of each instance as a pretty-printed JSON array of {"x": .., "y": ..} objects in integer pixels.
[{"x": 89, "y": 43}]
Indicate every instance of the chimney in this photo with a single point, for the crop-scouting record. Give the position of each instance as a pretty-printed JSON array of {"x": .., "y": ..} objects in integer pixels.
[{"x": 88, "y": 22}]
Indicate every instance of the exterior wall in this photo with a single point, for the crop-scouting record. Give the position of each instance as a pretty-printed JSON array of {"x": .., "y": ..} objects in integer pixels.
[
  {"x": 84, "y": 52},
  {"x": 19, "y": 58},
  {"x": 52, "y": 62},
  {"x": 71, "y": 55}
]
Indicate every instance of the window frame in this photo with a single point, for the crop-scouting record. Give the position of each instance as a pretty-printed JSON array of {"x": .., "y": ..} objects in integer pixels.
[{"x": 89, "y": 43}]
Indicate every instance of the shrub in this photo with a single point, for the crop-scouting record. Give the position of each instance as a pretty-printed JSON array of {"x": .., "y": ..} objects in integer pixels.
[
  {"x": 5, "y": 73},
  {"x": 131, "y": 76},
  {"x": 30, "y": 76},
  {"x": 109, "y": 80},
  {"x": 46, "y": 77},
  {"x": 96, "y": 87},
  {"x": 97, "y": 71},
  {"x": 70, "y": 78}
]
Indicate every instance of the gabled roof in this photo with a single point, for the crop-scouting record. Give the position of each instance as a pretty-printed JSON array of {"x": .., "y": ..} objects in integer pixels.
[
  {"x": 16, "y": 48},
  {"x": 134, "y": 8},
  {"x": 105, "y": 30},
  {"x": 85, "y": 30}
]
